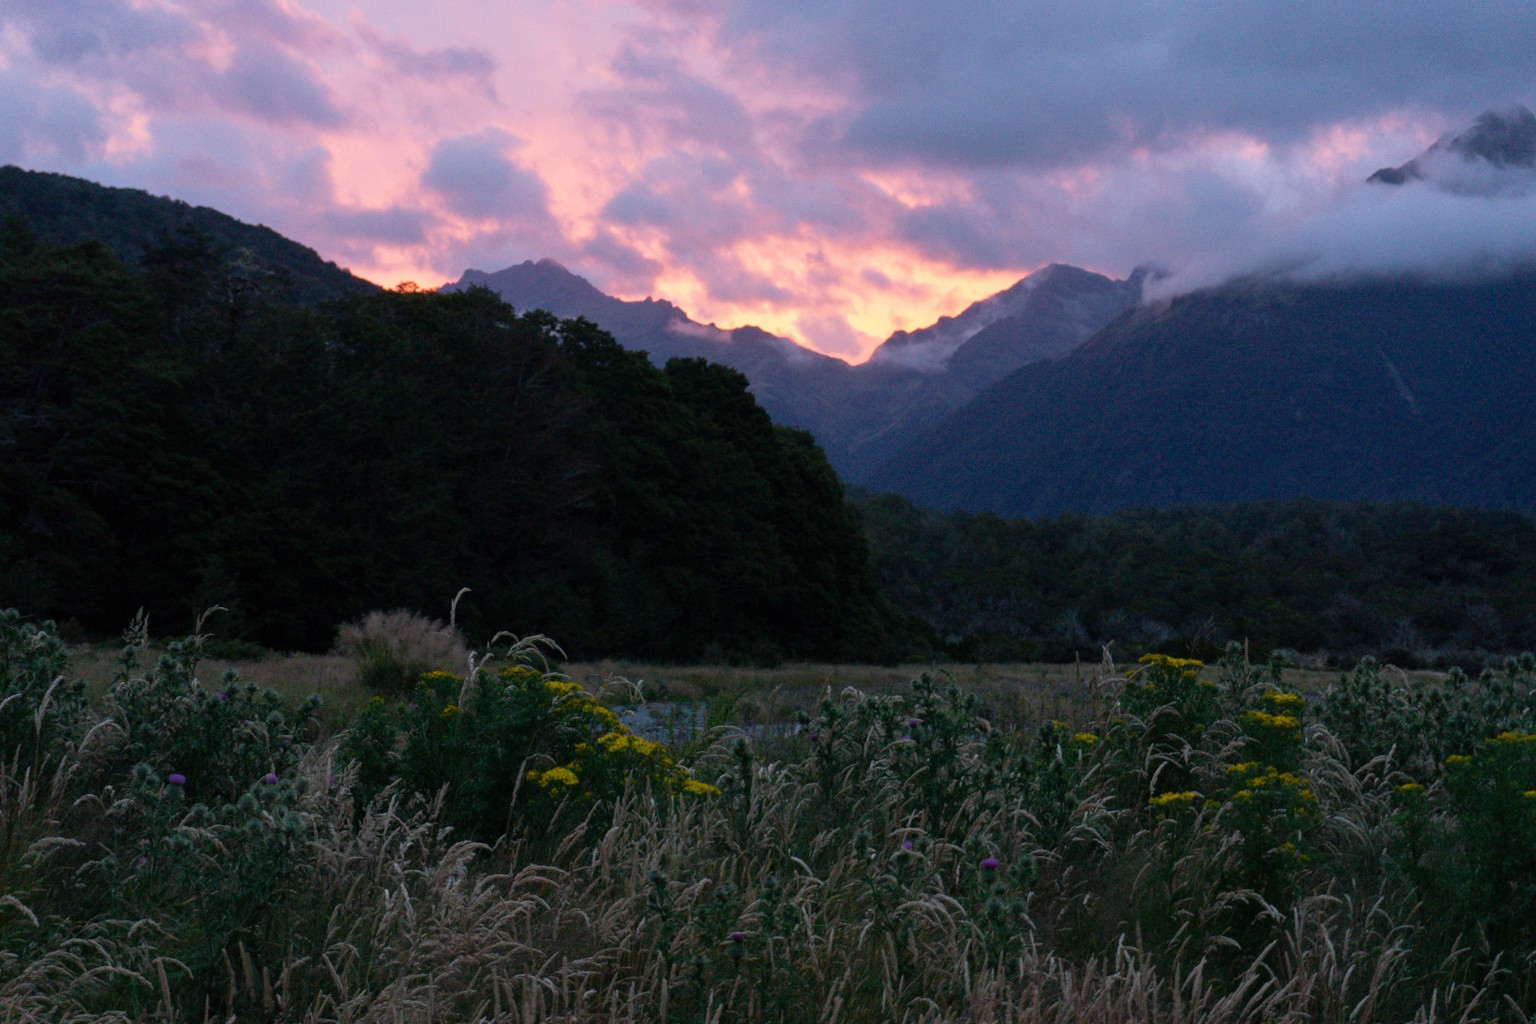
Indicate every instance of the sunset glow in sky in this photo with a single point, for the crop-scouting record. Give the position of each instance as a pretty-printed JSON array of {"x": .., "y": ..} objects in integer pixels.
[{"x": 831, "y": 170}]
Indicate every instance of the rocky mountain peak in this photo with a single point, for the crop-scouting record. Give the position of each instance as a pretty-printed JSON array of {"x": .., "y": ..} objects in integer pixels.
[{"x": 1498, "y": 138}]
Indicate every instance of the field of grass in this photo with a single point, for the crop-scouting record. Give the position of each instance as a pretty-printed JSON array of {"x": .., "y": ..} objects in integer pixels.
[
  {"x": 1161, "y": 841},
  {"x": 1015, "y": 693}
]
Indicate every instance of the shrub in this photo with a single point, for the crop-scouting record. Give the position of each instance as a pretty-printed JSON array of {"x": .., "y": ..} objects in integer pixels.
[
  {"x": 40, "y": 709},
  {"x": 502, "y": 739},
  {"x": 220, "y": 739},
  {"x": 393, "y": 649}
]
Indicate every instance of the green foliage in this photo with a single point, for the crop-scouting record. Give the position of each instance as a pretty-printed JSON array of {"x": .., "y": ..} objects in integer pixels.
[
  {"x": 221, "y": 740},
  {"x": 1420, "y": 727},
  {"x": 41, "y": 709},
  {"x": 900, "y": 854},
  {"x": 175, "y": 442},
  {"x": 501, "y": 743},
  {"x": 1422, "y": 586}
]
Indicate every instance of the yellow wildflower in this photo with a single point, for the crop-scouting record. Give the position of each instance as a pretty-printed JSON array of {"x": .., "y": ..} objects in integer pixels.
[
  {"x": 555, "y": 779},
  {"x": 1087, "y": 739},
  {"x": 1411, "y": 787},
  {"x": 448, "y": 712},
  {"x": 1457, "y": 761},
  {"x": 697, "y": 788},
  {"x": 1269, "y": 721},
  {"x": 1283, "y": 700},
  {"x": 1170, "y": 662},
  {"x": 1169, "y": 799}
]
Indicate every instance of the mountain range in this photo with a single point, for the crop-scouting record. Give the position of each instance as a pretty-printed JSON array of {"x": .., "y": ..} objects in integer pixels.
[
  {"x": 861, "y": 414},
  {"x": 1063, "y": 395},
  {"x": 1372, "y": 389},
  {"x": 1067, "y": 393}
]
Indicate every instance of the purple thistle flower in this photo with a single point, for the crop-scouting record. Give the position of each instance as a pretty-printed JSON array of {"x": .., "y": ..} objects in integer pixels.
[
  {"x": 815, "y": 736},
  {"x": 913, "y": 723},
  {"x": 176, "y": 779},
  {"x": 270, "y": 779},
  {"x": 989, "y": 864},
  {"x": 738, "y": 937},
  {"x": 220, "y": 695},
  {"x": 906, "y": 844}
]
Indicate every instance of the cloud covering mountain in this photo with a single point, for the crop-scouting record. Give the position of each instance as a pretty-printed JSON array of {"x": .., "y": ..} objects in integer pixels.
[
  {"x": 1461, "y": 210},
  {"x": 833, "y": 171}
]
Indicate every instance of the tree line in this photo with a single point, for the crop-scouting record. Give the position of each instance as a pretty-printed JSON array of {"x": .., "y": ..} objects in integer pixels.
[
  {"x": 1419, "y": 585},
  {"x": 178, "y": 434}
]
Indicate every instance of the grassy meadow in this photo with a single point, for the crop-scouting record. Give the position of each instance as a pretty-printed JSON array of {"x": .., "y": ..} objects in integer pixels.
[{"x": 488, "y": 839}]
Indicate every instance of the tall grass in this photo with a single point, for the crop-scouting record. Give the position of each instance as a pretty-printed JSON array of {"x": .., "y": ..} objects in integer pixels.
[{"x": 1211, "y": 849}]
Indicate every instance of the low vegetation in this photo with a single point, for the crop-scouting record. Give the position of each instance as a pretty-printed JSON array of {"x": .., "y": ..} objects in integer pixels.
[
  {"x": 1422, "y": 586},
  {"x": 497, "y": 843}
]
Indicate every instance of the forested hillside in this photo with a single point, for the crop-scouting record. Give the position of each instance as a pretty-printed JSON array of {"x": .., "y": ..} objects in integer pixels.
[
  {"x": 1419, "y": 585},
  {"x": 171, "y": 445},
  {"x": 1374, "y": 390},
  {"x": 131, "y": 223}
]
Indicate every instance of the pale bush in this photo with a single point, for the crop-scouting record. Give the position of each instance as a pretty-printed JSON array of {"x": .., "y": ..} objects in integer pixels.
[{"x": 392, "y": 649}]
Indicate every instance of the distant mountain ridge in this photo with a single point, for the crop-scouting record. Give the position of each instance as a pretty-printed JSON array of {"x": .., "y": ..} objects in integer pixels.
[
  {"x": 129, "y": 221},
  {"x": 1499, "y": 139},
  {"x": 860, "y": 414},
  {"x": 1377, "y": 391},
  {"x": 1364, "y": 391}
]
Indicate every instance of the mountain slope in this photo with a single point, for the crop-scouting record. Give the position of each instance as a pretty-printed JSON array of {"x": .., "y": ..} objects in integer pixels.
[
  {"x": 1255, "y": 390},
  {"x": 130, "y": 222},
  {"x": 860, "y": 414},
  {"x": 1499, "y": 139}
]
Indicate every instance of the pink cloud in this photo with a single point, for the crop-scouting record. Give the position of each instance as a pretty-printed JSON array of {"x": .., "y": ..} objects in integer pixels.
[{"x": 823, "y": 168}]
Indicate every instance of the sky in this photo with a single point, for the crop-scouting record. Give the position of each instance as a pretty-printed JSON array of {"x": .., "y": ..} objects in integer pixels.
[{"x": 830, "y": 170}]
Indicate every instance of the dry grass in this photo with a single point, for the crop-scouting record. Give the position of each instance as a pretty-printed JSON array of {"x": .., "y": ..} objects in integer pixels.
[
  {"x": 1014, "y": 692},
  {"x": 632, "y": 919}
]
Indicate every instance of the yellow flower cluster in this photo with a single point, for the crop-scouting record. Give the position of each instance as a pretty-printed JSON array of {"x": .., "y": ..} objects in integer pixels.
[
  {"x": 1170, "y": 662},
  {"x": 439, "y": 676},
  {"x": 1269, "y": 721},
  {"x": 591, "y": 707},
  {"x": 1087, "y": 739},
  {"x": 1272, "y": 777},
  {"x": 1172, "y": 799},
  {"x": 518, "y": 674},
  {"x": 1513, "y": 737},
  {"x": 1411, "y": 787},
  {"x": 1275, "y": 698},
  {"x": 555, "y": 780},
  {"x": 1457, "y": 761},
  {"x": 625, "y": 741},
  {"x": 696, "y": 788},
  {"x": 448, "y": 712},
  {"x": 1290, "y": 850}
]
